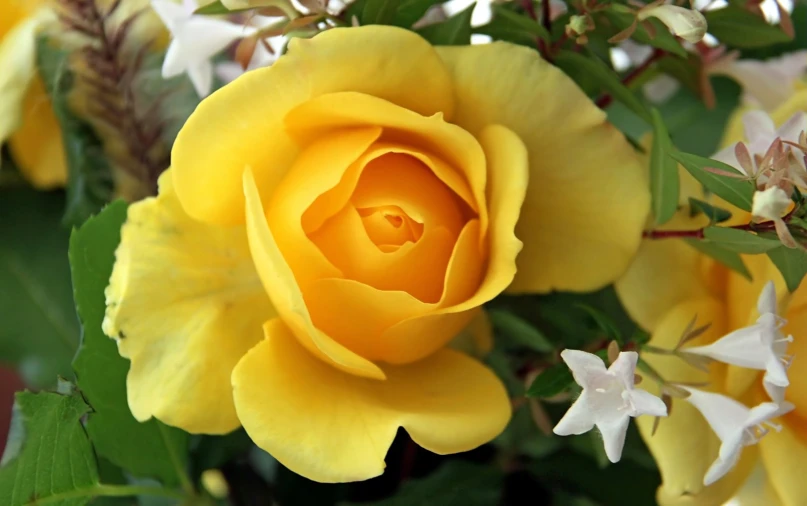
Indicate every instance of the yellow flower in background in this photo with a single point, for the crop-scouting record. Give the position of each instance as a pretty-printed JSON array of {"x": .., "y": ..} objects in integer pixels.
[
  {"x": 27, "y": 121},
  {"x": 331, "y": 223},
  {"x": 670, "y": 283}
]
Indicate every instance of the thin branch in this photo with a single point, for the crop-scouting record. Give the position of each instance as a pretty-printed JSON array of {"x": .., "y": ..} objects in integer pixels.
[{"x": 605, "y": 100}]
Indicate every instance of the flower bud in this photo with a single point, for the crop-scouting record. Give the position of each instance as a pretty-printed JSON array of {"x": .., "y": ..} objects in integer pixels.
[
  {"x": 688, "y": 24},
  {"x": 770, "y": 204}
]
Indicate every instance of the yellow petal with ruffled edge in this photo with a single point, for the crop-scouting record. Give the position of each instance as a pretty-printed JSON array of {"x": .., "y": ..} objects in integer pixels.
[
  {"x": 185, "y": 304},
  {"x": 390, "y": 63},
  {"x": 333, "y": 427},
  {"x": 684, "y": 445},
  {"x": 588, "y": 197},
  {"x": 784, "y": 454}
]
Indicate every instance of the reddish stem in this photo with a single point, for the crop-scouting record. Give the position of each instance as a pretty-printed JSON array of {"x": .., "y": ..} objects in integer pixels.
[
  {"x": 605, "y": 100},
  {"x": 408, "y": 460},
  {"x": 698, "y": 233}
]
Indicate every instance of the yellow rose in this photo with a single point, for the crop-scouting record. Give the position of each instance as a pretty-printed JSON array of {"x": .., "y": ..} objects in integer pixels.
[
  {"x": 362, "y": 196},
  {"x": 27, "y": 120},
  {"x": 668, "y": 284}
]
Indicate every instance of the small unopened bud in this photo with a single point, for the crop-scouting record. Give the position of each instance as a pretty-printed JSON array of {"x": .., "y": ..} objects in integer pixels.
[
  {"x": 613, "y": 351},
  {"x": 770, "y": 204},
  {"x": 214, "y": 482},
  {"x": 688, "y": 24},
  {"x": 578, "y": 25}
]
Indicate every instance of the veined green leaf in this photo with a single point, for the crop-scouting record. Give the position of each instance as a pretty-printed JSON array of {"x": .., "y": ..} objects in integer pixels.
[
  {"x": 729, "y": 258},
  {"x": 379, "y": 12},
  {"x": 734, "y": 191},
  {"x": 606, "y": 77},
  {"x": 664, "y": 184},
  {"x": 737, "y": 27},
  {"x": 55, "y": 462},
  {"x": 455, "y": 31},
  {"x": 715, "y": 214},
  {"x": 792, "y": 263},
  {"x": 740, "y": 241}
]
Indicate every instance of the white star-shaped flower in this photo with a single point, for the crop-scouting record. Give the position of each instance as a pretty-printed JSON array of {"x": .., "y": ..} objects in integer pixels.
[
  {"x": 759, "y": 346},
  {"x": 195, "y": 40},
  {"x": 735, "y": 424},
  {"x": 768, "y": 83},
  {"x": 608, "y": 399},
  {"x": 761, "y": 132}
]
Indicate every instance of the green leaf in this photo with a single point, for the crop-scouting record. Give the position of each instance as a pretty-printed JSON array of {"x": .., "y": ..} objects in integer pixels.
[
  {"x": 734, "y": 191},
  {"x": 572, "y": 62},
  {"x": 512, "y": 26},
  {"x": 410, "y": 11},
  {"x": 621, "y": 19},
  {"x": 603, "y": 322},
  {"x": 455, "y": 483},
  {"x": 740, "y": 241},
  {"x": 39, "y": 331},
  {"x": 213, "y": 9},
  {"x": 737, "y": 27},
  {"x": 144, "y": 449},
  {"x": 715, "y": 214},
  {"x": 729, "y": 258},
  {"x": 792, "y": 263},
  {"x": 519, "y": 331},
  {"x": 56, "y": 463},
  {"x": 664, "y": 185},
  {"x": 379, "y": 12},
  {"x": 455, "y": 31},
  {"x": 552, "y": 381},
  {"x": 89, "y": 180}
]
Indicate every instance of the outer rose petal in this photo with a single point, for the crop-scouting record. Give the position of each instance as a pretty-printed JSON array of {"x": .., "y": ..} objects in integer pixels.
[
  {"x": 279, "y": 282},
  {"x": 332, "y": 427},
  {"x": 588, "y": 199},
  {"x": 784, "y": 455},
  {"x": 185, "y": 304},
  {"x": 18, "y": 59},
  {"x": 251, "y": 110},
  {"x": 37, "y": 145},
  {"x": 663, "y": 274},
  {"x": 684, "y": 446}
]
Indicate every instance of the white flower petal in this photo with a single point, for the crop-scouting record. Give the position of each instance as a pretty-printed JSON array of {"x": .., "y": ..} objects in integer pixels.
[
  {"x": 613, "y": 435},
  {"x": 741, "y": 347},
  {"x": 201, "y": 75},
  {"x": 729, "y": 455},
  {"x": 583, "y": 365},
  {"x": 174, "y": 63},
  {"x": 770, "y": 203},
  {"x": 688, "y": 24},
  {"x": 577, "y": 420},
  {"x": 170, "y": 12},
  {"x": 759, "y": 128},
  {"x": 645, "y": 403},
  {"x": 624, "y": 367},
  {"x": 202, "y": 38},
  {"x": 767, "y": 298},
  {"x": 775, "y": 392},
  {"x": 723, "y": 414},
  {"x": 790, "y": 129}
]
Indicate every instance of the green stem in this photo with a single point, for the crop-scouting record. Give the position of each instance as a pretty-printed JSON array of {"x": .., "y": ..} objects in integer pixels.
[
  {"x": 659, "y": 351},
  {"x": 109, "y": 491},
  {"x": 184, "y": 479}
]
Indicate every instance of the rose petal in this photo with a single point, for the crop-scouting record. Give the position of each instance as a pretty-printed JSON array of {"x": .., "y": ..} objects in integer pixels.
[{"x": 333, "y": 427}]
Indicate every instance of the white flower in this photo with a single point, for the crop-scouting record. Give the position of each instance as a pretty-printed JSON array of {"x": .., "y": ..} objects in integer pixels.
[
  {"x": 688, "y": 24},
  {"x": 195, "y": 40},
  {"x": 608, "y": 399},
  {"x": 735, "y": 424},
  {"x": 759, "y": 346},
  {"x": 770, "y": 203},
  {"x": 767, "y": 83},
  {"x": 760, "y": 133}
]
